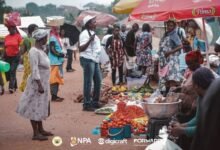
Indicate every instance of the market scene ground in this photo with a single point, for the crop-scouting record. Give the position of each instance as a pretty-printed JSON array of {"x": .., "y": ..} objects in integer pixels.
[
  {"x": 67, "y": 120},
  {"x": 128, "y": 75}
]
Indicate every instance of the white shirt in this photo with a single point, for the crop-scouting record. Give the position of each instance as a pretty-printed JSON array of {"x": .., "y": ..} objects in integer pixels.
[
  {"x": 104, "y": 39},
  {"x": 93, "y": 50},
  {"x": 218, "y": 41},
  {"x": 67, "y": 41},
  {"x": 181, "y": 31}
]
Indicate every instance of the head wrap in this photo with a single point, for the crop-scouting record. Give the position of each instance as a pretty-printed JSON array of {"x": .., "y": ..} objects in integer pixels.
[
  {"x": 39, "y": 34},
  {"x": 214, "y": 60},
  {"x": 195, "y": 56}
]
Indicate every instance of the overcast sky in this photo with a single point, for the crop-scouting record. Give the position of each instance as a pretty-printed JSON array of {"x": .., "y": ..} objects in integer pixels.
[{"x": 78, "y": 3}]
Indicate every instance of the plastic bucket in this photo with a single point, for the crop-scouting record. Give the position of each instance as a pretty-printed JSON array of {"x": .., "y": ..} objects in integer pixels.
[
  {"x": 127, "y": 131},
  {"x": 4, "y": 66},
  {"x": 116, "y": 133}
]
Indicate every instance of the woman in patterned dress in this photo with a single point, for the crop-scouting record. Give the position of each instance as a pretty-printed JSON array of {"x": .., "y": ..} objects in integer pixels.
[
  {"x": 143, "y": 50},
  {"x": 34, "y": 103},
  {"x": 169, "y": 51}
]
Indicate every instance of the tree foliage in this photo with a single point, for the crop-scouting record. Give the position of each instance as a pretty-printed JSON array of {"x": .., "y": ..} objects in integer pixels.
[
  {"x": 4, "y": 9},
  {"x": 69, "y": 12}
]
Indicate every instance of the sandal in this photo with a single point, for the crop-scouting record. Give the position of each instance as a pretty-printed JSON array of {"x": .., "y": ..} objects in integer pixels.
[
  {"x": 40, "y": 137},
  {"x": 47, "y": 133}
]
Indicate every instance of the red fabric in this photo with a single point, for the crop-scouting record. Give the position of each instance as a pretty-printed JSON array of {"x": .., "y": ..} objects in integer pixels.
[
  {"x": 102, "y": 19},
  {"x": 12, "y": 43},
  {"x": 194, "y": 56},
  {"x": 162, "y": 10},
  {"x": 54, "y": 33},
  {"x": 12, "y": 19},
  {"x": 116, "y": 53}
]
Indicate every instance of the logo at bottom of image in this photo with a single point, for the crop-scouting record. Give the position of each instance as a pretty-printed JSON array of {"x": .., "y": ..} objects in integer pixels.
[
  {"x": 102, "y": 141},
  {"x": 78, "y": 140},
  {"x": 57, "y": 141}
]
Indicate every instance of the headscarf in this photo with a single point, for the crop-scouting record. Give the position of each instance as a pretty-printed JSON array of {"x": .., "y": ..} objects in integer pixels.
[
  {"x": 53, "y": 32},
  {"x": 39, "y": 34},
  {"x": 214, "y": 60},
  {"x": 195, "y": 56}
]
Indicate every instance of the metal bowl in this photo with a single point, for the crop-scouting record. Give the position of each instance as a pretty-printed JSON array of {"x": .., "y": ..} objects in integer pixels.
[{"x": 161, "y": 110}]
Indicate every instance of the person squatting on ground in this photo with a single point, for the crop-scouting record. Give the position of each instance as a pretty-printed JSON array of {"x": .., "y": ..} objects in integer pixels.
[{"x": 202, "y": 79}]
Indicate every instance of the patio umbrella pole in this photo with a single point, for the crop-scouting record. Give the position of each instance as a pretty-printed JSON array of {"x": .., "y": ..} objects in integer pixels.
[{"x": 206, "y": 42}]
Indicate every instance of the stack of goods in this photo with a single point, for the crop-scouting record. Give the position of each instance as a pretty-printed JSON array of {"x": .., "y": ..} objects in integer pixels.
[
  {"x": 104, "y": 111},
  {"x": 128, "y": 112},
  {"x": 143, "y": 89},
  {"x": 138, "y": 96},
  {"x": 171, "y": 98},
  {"x": 55, "y": 21},
  {"x": 118, "y": 89},
  {"x": 106, "y": 94},
  {"x": 123, "y": 122}
]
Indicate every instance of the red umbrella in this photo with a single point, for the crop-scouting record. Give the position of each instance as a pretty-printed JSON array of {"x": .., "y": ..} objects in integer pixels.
[
  {"x": 102, "y": 19},
  {"x": 162, "y": 10}
]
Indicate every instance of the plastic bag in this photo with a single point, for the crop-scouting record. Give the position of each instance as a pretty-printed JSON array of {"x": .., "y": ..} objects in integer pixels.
[
  {"x": 12, "y": 19},
  {"x": 164, "y": 143},
  {"x": 104, "y": 58},
  {"x": 153, "y": 96}
]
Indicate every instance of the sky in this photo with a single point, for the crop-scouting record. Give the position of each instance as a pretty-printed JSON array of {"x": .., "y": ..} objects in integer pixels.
[{"x": 78, "y": 3}]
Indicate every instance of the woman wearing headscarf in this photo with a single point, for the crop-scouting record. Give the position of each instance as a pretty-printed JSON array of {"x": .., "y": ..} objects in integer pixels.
[
  {"x": 169, "y": 51},
  {"x": 25, "y": 47},
  {"x": 34, "y": 103},
  {"x": 56, "y": 57},
  {"x": 208, "y": 131},
  {"x": 202, "y": 79},
  {"x": 188, "y": 95},
  {"x": 90, "y": 50},
  {"x": 12, "y": 56}
]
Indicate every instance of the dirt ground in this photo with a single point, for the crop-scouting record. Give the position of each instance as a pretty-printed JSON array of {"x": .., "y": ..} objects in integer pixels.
[{"x": 66, "y": 120}]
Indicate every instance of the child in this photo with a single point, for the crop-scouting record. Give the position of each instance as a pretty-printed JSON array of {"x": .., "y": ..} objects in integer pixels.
[{"x": 115, "y": 50}]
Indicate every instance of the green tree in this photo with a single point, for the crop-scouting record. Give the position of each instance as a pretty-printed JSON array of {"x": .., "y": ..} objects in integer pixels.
[
  {"x": 4, "y": 9},
  {"x": 32, "y": 8}
]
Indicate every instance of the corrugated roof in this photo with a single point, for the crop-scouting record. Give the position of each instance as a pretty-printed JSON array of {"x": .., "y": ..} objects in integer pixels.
[
  {"x": 26, "y": 21},
  {"x": 4, "y": 31}
]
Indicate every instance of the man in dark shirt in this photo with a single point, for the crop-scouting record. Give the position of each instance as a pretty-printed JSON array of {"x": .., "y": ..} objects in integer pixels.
[
  {"x": 130, "y": 40},
  {"x": 130, "y": 48}
]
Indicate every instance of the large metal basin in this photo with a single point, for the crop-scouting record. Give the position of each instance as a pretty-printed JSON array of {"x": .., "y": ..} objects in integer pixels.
[{"x": 161, "y": 110}]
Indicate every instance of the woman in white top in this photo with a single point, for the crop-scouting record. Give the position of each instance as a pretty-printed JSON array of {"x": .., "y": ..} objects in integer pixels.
[{"x": 90, "y": 49}]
